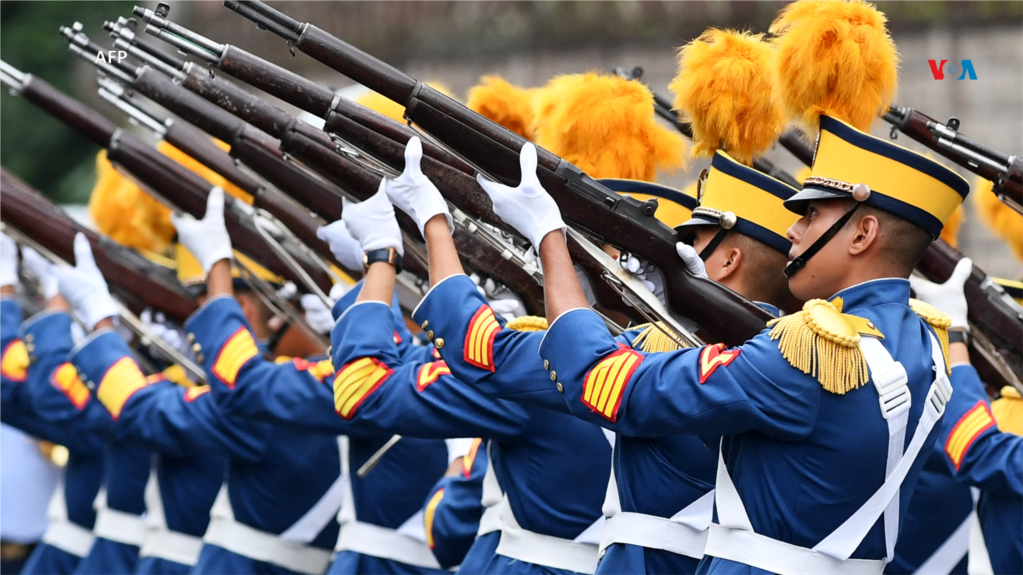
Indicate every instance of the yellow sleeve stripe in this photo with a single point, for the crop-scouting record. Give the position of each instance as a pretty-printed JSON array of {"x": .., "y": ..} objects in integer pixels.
[
  {"x": 606, "y": 382},
  {"x": 321, "y": 370},
  {"x": 240, "y": 348},
  {"x": 431, "y": 509},
  {"x": 14, "y": 361},
  {"x": 119, "y": 383},
  {"x": 65, "y": 378},
  {"x": 192, "y": 393},
  {"x": 479, "y": 340},
  {"x": 430, "y": 373},
  {"x": 355, "y": 382},
  {"x": 470, "y": 457},
  {"x": 969, "y": 427}
]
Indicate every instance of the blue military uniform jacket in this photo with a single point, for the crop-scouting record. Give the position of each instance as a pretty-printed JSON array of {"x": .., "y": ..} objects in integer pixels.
[
  {"x": 453, "y": 509},
  {"x": 788, "y": 448},
  {"x": 980, "y": 455}
]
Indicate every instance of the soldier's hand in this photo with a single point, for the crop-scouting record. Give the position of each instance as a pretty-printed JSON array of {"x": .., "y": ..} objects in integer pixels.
[
  {"x": 372, "y": 224},
  {"x": 414, "y": 193},
  {"x": 83, "y": 286},
  {"x": 645, "y": 272},
  {"x": 42, "y": 269},
  {"x": 949, "y": 297},
  {"x": 691, "y": 259},
  {"x": 8, "y": 261},
  {"x": 527, "y": 207},
  {"x": 207, "y": 238},
  {"x": 345, "y": 248},
  {"x": 317, "y": 315}
]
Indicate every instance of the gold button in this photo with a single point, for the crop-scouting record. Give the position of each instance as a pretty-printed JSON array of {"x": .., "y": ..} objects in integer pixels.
[
  {"x": 426, "y": 323},
  {"x": 191, "y": 337},
  {"x": 196, "y": 347},
  {"x": 870, "y": 324},
  {"x": 429, "y": 335},
  {"x": 29, "y": 337},
  {"x": 90, "y": 385},
  {"x": 30, "y": 347},
  {"x": 554, "y": 375},
  {"x": 439, "y": 343},
  {"x": 561, "y": 388},
  {"x": 200, "y": 358},
  {"x": 546, "y": 364}
]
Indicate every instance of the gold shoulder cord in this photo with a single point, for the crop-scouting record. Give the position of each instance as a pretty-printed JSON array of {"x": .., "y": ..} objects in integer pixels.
[
  {"x": 939, "y": 321},
  {"x": 527, "y": 323},
  {"x": 652, "y": 339}
]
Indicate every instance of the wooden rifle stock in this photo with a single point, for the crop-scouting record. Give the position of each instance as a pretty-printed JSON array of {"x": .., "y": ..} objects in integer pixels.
[
  {"x": 626, "y": 223},
  {"x": 128, "y": 273}
]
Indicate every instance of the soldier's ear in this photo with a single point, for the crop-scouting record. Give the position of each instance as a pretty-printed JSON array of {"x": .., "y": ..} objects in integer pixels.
[
  {"x": 865, "y": 232},
  {"x": 730, "y": 263}
]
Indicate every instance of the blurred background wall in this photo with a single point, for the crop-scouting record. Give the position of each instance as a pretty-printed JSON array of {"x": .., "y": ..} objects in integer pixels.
[{"x": 528, "y": 43}]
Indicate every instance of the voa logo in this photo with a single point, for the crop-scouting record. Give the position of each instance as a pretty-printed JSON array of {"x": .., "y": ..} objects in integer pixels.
[{"x": 964, "y": 70}]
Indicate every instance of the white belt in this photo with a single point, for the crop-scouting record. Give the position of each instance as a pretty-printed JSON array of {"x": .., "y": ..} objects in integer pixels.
[
  {"x": 171, "y": 545},
  {"x": 751, "y": 548},
  {"x": 545, "y": 550},
  {"x": 490, "y": 521},
  {"x": 250, "y": 542},
  {"x": 653, "y": 532},
  {"x": 69, "y": 537},
  {"x": 376, "y": 541},
  {"x": 114, "y": 525}
]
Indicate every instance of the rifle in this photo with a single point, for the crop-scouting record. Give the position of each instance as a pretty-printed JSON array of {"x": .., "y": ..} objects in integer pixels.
[
  {"x": 168, "y": 178},
  {"x": 316, "y": 150},
  {"x": 998, "y": 353},
  {"x": 722, "y": 314},
  {"x": 1005, "y": 171},
  {"x": 130, "y": 275}
]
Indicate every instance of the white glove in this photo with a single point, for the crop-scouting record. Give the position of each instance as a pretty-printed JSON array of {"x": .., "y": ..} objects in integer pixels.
[
  {"x": 502, "y": 300},
  {"x": 42, "y": 269},
  {"x": 345, "y": 248},
  {"x": 163, "y": 329},
  {"x": 414, "y": 193},
  {"x": 83, "y": 286},
  {"x": 338, "y": 291},
  {"x": 8, "y": 261},
  {"x": 527, "y": 207},
  {"x": 207, "y": 238},
  {"x": 372, "y": 223},
  {"x": 644, "y": 272},
  {"x": 691, "y": 258},
  {"x": 948, "y": 297},
  {"x": 317, "y": 315}
]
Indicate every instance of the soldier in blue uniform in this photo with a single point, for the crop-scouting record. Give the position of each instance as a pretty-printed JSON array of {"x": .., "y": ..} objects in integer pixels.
[
  {"x": 454, "y": 507},
  {"x": 805, "y": 447},
  {"x": 981, "y": 442},
  {"x": 33, "y": 361}
]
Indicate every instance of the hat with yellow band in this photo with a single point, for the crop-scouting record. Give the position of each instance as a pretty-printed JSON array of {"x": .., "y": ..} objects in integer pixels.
[
  {"x": 738, "y": 198},
  {"x": 191, "y": 275},
  {"x": 673, "y": 206},
  {"x": 851, "y": 164}
]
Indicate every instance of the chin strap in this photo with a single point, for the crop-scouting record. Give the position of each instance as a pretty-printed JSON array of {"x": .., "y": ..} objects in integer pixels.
[
  {"x": 713, "y": 245},
  {"x": 800, "y": 262},
  {"x": 275, "y": 338}
]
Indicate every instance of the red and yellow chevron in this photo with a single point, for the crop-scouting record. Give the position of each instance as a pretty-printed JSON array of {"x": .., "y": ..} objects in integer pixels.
[
  {"x": 321, "y": 370},
  {"x": 969, "y": 427},
  {"x": 238, "y": 349},
  {"x": 118, "y": 384},
  {"x": 713, "y": 357},
  {"x": 65, "y": 378},
  {"x": 470, "y": 457},
  {"x": 431, "y": 372},
  {"x": 431, "y": 510},
  {"x": 14, "y": 361},
  {"x": 194, "y": 392},
  {"x": 397, "y": 337},
  {"x": 606, "y": 382},
  {"x": 479, "y": 340},
  {"x": 355, "y": 382},
  {"x": 435, "y": 353}
]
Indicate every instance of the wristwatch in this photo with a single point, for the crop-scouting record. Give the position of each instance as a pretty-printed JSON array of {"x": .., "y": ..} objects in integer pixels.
[
  {"x": 389, "y": 255},
  {"x": 958, "y": 336}
]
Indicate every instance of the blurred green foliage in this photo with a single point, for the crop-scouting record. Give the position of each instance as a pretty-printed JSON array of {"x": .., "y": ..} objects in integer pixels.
[{"x": 33, "y": 145}]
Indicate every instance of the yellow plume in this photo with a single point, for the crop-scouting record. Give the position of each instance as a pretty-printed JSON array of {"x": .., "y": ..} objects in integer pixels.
[
  {"x": 803, "y": 174},
  {"x": 550, "y": 97},
  {"x": 504, "y": 103},
  {"x": 950, "y": 233},
  {"x": 202, "y": 171},
  {"x": 606, "y": 126},
  {"x": 390, "y": 108},
  {"x": 1003, "y": 220},
  {"x": 725, "y": 87},
  {"x": 125, "y": 213},
  {"x": 834, "y": 58}
]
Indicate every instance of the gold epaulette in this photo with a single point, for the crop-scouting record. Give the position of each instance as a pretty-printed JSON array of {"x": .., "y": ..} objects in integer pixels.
[
  {"x": 939, "y": 321},
  {"x": 177, "y": 374},
  {"x": 1008, "y": 411},
  {"x": 527, "y": 323},
  {"x": 824, "y": 343},
  {"x": 653, "y": 339}
]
